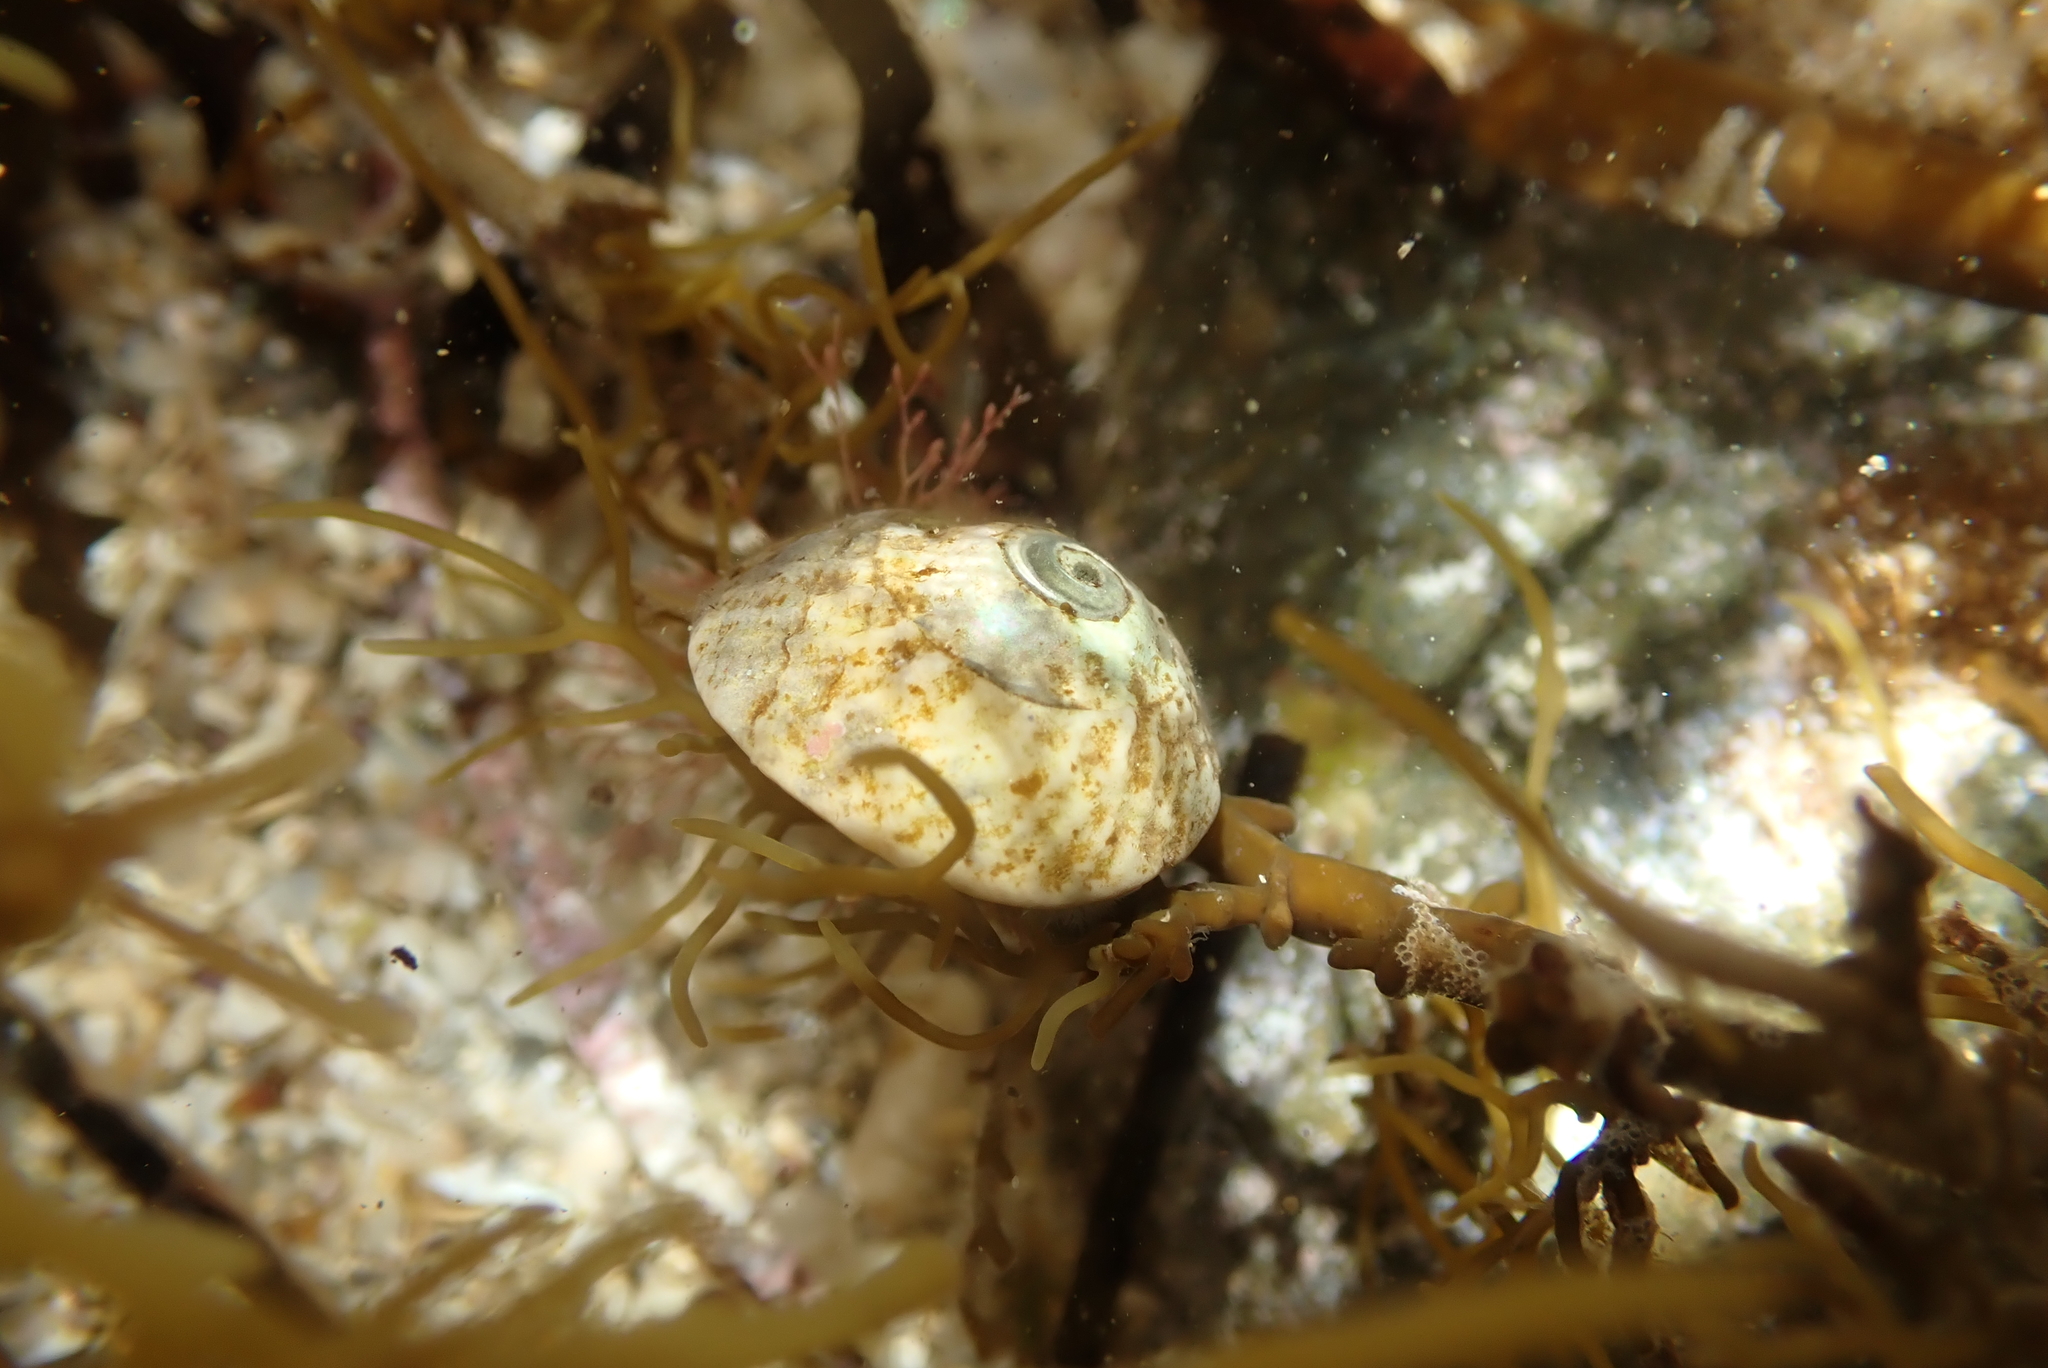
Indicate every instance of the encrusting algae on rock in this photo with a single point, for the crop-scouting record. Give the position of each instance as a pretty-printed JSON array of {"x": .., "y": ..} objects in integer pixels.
[{"x": 53, "y": 858}]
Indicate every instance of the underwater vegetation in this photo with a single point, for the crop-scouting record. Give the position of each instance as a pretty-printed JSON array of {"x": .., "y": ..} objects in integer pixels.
[
  {"x": 1874, "y": 1074},
  {"x": 54, "y": 857},
  {"x": 190, "y": 1293},
  {"x": 1698, "y": 142},
  {"x": 1007, "y": 734}
]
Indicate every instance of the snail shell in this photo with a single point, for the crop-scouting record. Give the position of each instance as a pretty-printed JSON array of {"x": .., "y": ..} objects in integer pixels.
[{"x": 1014, "y": 661}]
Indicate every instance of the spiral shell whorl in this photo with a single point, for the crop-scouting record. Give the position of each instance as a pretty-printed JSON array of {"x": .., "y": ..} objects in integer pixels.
[{"x": 1049, "y": 693}]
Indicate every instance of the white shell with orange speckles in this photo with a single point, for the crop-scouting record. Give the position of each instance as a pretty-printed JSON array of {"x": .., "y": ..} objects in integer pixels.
[{"x": 1014, "y": 661}]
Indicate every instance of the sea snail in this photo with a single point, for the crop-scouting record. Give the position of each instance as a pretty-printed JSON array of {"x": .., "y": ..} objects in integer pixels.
[{"x": 1018, "y": 664}]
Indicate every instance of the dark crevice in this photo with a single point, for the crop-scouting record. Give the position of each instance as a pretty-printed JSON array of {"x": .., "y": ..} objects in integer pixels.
[
  {"x": 901, "y": 178},
  {"x": 1271, "y": 768},
  {"x": 32, "y": 1058}
]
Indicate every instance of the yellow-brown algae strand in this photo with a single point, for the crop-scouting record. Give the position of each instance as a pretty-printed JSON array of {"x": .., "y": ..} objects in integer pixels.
[
  {"x": 1702, "y": 144},
  {"x": 1372, "y": 920}
]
